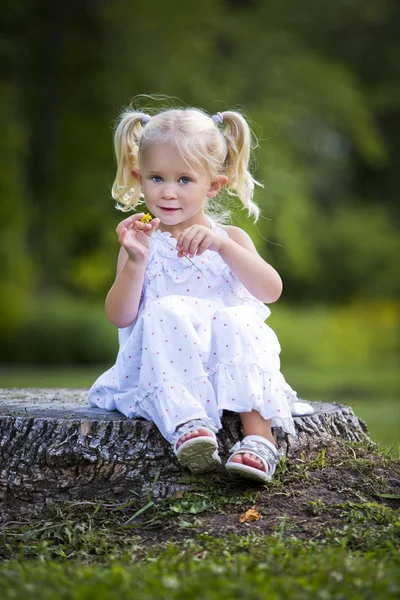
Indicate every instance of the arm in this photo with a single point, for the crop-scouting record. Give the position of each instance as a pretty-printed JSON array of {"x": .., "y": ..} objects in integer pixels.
[
  {"x": 122, "y": 301},
  {"x": 239, "y": 253},
  {"x": 257, "y": 276}
]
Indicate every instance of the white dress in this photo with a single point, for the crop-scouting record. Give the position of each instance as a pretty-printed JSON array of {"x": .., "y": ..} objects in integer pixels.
[{"x": 199, "y": 345}]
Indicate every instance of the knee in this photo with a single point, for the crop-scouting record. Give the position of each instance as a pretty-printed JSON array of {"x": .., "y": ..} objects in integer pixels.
[
  {"x": 165, "y": 308},
  {"x": 230, "y": 315}
]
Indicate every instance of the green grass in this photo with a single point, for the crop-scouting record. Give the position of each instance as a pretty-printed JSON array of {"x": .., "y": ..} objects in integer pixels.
[
  {"x": 373, "y": 394},
  {"x": 209, "y": 568},
  {"x": 48, "y": 377},
  {"x": 343, "y": 546}
]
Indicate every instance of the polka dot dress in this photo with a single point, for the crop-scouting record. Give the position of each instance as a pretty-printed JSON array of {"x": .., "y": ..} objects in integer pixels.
[{"x": 199, "y": 345}]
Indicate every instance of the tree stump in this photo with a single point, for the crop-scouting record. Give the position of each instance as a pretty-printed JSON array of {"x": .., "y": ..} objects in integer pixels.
[{"x": 55, "y": 447}]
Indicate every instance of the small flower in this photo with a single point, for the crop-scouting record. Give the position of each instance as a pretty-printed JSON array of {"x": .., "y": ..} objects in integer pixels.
[{"x": 147, "y": 218}]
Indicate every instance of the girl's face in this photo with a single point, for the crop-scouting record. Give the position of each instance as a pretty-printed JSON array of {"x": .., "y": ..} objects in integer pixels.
[{"x": 173, "y": 190}]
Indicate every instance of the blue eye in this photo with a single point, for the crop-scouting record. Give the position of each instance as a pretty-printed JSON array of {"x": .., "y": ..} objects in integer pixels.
[
  {"x": 156, "y": 178},
  {"x": 185, "y": 180}
]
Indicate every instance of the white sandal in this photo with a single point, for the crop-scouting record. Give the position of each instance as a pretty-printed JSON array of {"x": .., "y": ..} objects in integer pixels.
[
  {"x": 199, "y": 454},
  {"x": 260, "y": 447}
]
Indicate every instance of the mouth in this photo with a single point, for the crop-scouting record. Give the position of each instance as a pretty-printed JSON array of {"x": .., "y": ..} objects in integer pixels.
[{"x": 168, "y": 209}]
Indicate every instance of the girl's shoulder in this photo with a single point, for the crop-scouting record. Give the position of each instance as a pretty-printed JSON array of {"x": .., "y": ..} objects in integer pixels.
[{"x": 239, "y": 236}]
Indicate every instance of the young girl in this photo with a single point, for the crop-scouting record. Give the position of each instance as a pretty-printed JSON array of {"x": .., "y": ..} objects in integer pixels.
[{"x": 189, "y": 295}]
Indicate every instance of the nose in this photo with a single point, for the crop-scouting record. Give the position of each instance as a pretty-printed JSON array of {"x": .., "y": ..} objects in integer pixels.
[{"x": 169, "y": 192}]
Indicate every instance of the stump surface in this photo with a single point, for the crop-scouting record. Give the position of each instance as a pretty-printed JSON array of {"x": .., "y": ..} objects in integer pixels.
[{"x": 55, "y": 447}]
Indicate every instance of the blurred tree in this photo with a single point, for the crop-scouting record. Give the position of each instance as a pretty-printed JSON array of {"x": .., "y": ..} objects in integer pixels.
[
  {"x": 319, "y": 80},
  {"x": 17, "y": 266}
]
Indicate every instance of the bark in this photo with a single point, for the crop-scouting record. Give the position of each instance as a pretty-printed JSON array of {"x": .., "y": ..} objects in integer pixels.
[{"x": 55, "y": 447}]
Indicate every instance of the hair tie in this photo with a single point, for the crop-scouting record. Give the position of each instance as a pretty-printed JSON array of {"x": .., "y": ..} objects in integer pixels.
[
  {"x": 218, "y": 118},
  {"x": 145, "y": 119}
]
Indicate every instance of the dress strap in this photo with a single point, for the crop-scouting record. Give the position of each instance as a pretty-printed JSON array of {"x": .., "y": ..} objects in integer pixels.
[{"x": 215, "y": 225}]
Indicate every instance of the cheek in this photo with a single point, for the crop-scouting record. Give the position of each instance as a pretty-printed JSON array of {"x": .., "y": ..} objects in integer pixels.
[
  {"x": 196, "y": 193},
  {"x": 148, "y": 189}
]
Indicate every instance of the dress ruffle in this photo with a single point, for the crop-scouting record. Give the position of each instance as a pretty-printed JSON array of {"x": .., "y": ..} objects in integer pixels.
[
  {"x": 163, "y": 259},
  {"x": 243, "y": 386},
  {"x": 167, "y": 401},
  {"x": 238, "y": 386}
]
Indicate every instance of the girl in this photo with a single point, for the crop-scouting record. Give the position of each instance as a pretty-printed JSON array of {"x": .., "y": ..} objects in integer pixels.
[{"x": 189, "y": 295}]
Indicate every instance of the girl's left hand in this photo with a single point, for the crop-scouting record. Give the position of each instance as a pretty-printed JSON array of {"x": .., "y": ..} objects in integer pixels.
[{"x": 197, "y": 239}]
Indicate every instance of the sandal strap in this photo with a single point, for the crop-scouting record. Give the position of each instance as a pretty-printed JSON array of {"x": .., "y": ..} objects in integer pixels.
[
  {"x": 261, "y": 447},
  {"x": 191, "y": 425}
]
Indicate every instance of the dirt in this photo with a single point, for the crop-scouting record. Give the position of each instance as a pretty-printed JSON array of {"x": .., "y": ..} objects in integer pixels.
[
  {"x": 305, "y": 499},
  {"x": 306, "y": 504}
]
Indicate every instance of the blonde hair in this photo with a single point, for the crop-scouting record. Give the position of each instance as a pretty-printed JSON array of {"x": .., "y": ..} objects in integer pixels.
[{"x": 221, "y": 150}]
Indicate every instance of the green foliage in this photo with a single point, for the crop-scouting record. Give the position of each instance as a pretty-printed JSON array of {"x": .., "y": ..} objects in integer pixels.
[
  {"x": 320, "y": 106},
  {"x": 16, "y": 264},
  {"x": 59, "y": 330},
  {"x": 362, "y": 249},
  {"x": 323, "y": 337}
]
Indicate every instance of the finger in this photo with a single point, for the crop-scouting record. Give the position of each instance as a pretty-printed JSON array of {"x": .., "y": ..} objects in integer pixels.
[
  {"x": 196, "y": 238},
  {"x": 199, "y": 240},
  {"x": 194, "y": 244},
  {"x": 154, "y": 223},
  {"x": 139, "y": 226},
  {"x": 128, "y": 235},
  {"x": 187, "y": 237},
  {"x": 151, "y": 227},
  {"x": 204, "y": 245},
  {"x": 182, "y": 237},
  {"x": 123, "y": 225},
  {"x": 128, "y": 222},
  {"x": 122, "y": 236}
]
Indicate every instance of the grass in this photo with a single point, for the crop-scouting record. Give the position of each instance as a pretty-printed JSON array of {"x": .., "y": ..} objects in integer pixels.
[
  {"x": 342, "y": 545},
  {"x": 207, "y": 568},
  {"x": 47, "y": 377},
  {"x": 373, "y": 394}
]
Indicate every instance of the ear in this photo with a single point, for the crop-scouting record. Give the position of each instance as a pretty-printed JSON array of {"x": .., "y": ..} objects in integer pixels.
[
  {"x": 136, "y": 174},
  {"x": 217, "y": 185}
]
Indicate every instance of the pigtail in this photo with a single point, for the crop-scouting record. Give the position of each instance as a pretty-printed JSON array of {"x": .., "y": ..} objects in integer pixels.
[
  {"x": 126, "y": 189},
  {"x": 238, "y": 138}
]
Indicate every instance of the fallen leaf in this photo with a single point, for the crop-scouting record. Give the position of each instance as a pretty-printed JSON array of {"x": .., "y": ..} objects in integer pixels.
[
  {"x": 250, "y": 515},
  {"x": 179, "y": 494}
]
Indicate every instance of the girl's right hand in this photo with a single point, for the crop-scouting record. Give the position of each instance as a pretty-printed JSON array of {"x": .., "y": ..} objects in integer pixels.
[{"x": 135, "y": 236}]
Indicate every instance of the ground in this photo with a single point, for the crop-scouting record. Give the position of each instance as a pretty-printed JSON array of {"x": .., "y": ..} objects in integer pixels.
[
  {"x": 307, "y": 496},
  {"x": 326, "y": 527}
]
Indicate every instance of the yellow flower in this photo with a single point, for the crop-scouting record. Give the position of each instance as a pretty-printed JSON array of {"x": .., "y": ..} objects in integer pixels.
[{"x": 147, "y": 218}]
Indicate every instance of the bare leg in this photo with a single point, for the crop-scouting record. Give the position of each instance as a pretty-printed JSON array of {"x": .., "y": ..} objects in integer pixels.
[{"x": 254, "y": 424}]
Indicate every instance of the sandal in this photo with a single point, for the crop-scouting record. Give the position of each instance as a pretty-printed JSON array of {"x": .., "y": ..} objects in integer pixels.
[
  {"x": 260, "y": 447},
  {"x": 199, "y": 454}
]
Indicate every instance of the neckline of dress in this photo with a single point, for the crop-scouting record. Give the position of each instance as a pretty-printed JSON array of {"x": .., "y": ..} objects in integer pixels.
[{"x": 168, "y": 235}]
